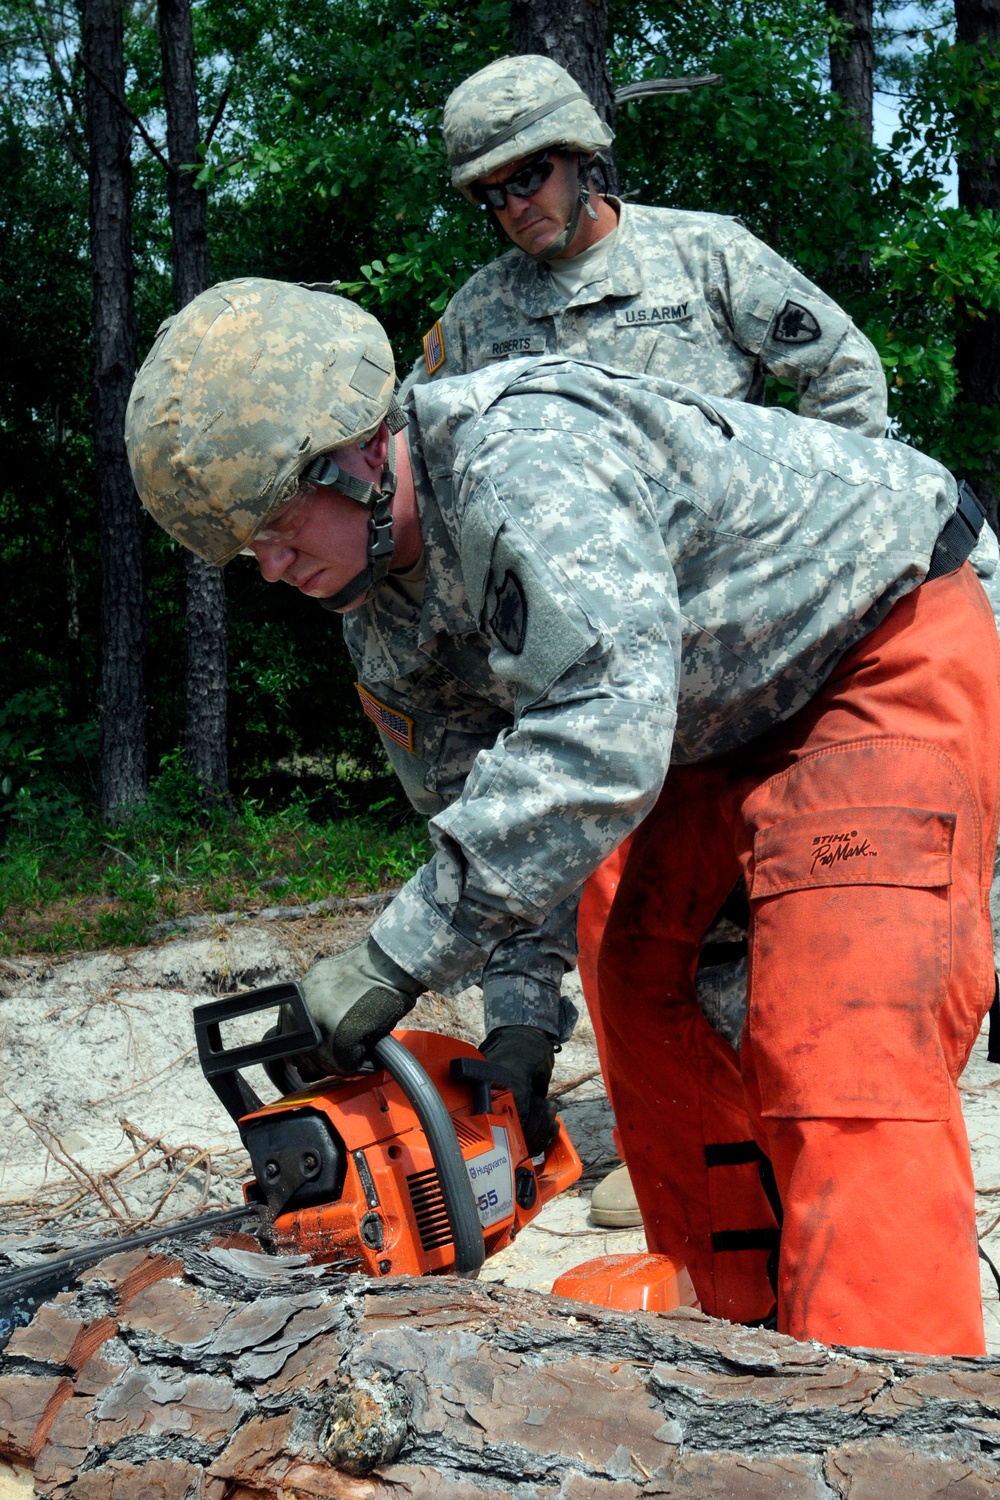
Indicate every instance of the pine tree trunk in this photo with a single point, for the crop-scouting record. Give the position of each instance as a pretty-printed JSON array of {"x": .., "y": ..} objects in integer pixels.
[
  {"x": 122, "y": 769},
  {"x": 852, "y": 61},
  {"x": 574, "y": 33},
  {"x": 183, "y": 1375},
  {"x": 206, "y": 683},
  {"x": 978, "y": 343},
  {"x": 206, "y": 675}
]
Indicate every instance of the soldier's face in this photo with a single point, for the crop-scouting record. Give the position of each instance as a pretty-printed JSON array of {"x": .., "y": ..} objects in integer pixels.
[
  {"x": 317, "y": 542},
  {"x": 533, "y": 223}
]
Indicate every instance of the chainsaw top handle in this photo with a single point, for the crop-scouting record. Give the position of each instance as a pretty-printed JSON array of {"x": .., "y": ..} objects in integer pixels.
[{"x": 222, "y": 1068}]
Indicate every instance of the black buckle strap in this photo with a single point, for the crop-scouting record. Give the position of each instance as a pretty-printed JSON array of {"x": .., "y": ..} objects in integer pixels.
[
  {"x": 736, "y": 1154},
  {"x": 746, "y": 1239},
  {"x": 732, "y": 1153},
  {"x": 380, "y": 538},
  {"x": 958, "y": 536}
]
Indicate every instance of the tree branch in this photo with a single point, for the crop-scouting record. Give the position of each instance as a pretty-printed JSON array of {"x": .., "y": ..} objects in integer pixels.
[
  {"x": 130, "y": 116},
  {"x": 217, "y": 117}
]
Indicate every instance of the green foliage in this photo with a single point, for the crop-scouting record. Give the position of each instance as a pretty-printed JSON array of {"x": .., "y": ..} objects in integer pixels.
[
  {"x": 330, "y": 151},
  {"x": 44, "y": 761},
  {"x": 953, "y": 106},
  {"x": 767, "y": 144},
  {"x": 939, "y": 273},
  {"x": 76, "y": 886}
]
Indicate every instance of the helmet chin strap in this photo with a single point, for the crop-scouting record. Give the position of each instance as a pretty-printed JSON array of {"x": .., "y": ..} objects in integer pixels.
[
  {"x": 582, "y": 200},
  {"x": 377, "y": 498}
]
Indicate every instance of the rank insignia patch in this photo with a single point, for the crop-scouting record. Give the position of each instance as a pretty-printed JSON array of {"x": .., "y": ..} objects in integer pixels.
[
  {"x": 434, "y": 348},
  {"x": 796, "y": 325},
  {"x": 509, "y": 620},
  {"x": 399, "y": 727}
]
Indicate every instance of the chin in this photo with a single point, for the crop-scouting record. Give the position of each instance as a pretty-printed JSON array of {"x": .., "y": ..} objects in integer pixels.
[
  {"x": 536, "y": 240},
  {"x": 345, "y": 609}
]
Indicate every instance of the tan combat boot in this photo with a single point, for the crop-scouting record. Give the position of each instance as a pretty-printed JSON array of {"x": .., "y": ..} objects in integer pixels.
[{"x": 613, "y": 1204}]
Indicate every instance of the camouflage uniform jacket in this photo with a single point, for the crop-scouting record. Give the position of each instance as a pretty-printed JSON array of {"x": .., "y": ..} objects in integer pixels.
[
  {"x": 619, "y": 572},
  {"x": 692, "y": 297}
]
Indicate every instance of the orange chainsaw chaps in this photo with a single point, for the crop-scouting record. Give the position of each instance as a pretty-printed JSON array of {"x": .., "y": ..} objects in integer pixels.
[
  {"x": 596, "y": 901},
  {"x": 864, "y": 829},
  {"x": 389, "y": 1216}
]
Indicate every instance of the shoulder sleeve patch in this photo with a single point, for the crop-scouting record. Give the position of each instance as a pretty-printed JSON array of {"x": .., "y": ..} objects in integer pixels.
[
  {"x": 509, "y": 620},
  {"x": 795, "y": 324},
  {"x": 434, "y": 348},
  {"x": 398, "y": 726}
]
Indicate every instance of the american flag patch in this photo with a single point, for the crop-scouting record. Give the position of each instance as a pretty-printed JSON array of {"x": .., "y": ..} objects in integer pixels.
[
  {"x": 434, "y": 348},
  {"x": 397, "y": 726}
]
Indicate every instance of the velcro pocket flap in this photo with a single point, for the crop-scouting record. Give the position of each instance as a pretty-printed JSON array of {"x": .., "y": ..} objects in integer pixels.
[
  {"x": 854, "y": 846},
  {"x": 483, "y": 518}
]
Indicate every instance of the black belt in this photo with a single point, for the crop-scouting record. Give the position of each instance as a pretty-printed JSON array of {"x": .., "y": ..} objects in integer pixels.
[{"x": 959, "y": 535}]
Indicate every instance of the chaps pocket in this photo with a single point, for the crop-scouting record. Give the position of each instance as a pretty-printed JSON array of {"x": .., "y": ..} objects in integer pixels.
[{"x": 851, "y": 954}]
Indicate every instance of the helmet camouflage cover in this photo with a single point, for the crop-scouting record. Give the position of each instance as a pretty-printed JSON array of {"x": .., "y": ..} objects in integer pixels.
[
  {"x": 516, "y": 107},
  {"x": 240, "y": 392}
]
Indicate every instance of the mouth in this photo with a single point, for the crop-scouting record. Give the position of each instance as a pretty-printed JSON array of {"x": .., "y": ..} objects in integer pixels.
[{"x": 305, "y": 583}]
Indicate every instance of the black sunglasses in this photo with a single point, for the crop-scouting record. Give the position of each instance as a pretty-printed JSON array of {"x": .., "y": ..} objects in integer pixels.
[{"x": 523, "y": 183}]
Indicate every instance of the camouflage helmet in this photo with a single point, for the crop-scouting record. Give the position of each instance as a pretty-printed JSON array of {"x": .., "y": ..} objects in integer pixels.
[
  {"x": 241, "y": 391},
  {"x": 516, "y": 107}
]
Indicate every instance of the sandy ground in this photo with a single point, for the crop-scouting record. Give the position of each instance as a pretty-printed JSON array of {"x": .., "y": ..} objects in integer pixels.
[{"x": 107, "y": 1122}]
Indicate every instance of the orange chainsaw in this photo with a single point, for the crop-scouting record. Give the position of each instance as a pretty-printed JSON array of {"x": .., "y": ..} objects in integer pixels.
[{"x": 416, "y": 1168}]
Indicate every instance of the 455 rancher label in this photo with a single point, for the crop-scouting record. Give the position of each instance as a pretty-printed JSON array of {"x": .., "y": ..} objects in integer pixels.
[{"x": 492, "y": 1178}]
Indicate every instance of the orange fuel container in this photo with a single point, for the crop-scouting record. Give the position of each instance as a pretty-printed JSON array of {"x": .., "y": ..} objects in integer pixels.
[{"x": 640, "y": 1282}]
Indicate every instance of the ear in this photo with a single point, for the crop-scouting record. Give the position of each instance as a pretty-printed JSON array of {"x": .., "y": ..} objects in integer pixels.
[{"x": 375, "y": 450}]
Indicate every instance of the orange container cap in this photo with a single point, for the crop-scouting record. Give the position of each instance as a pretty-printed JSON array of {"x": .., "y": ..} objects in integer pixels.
[{"x": 632, "y": 1283}]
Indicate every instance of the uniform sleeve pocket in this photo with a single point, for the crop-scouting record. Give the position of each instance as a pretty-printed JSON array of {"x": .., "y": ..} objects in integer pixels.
[
  {"x": 791, "y": 322},
  {"x": 850, "y": 962},
  {"x": 537, "y": 624}
]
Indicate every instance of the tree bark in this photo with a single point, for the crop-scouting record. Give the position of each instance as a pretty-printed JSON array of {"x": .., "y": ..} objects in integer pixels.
[
  {"x": 977, "y": 348},
  {"x": 122, "y": 768},
  {"x": 852, "y": 60},
  {"x": 182, "y": 1375},
  {"x": 206, "y": 677},
  {"x": 74, "y": 643},
  {"x": 574, "y": 33}
]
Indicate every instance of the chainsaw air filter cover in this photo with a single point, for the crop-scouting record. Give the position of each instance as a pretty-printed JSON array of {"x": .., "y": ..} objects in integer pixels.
[{"x": 298, "y": 1159}]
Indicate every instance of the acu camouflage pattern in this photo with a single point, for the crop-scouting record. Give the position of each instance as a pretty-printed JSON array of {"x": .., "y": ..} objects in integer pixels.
[
  {"x": 694, "y": 298},
  {"x": 692, "y": 571},
  {"x": 239, "y": 393},
  {"x": 515, "y": 107}
]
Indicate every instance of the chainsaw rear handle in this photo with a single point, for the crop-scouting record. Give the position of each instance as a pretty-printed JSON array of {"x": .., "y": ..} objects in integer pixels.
[
  {"x": 560, "y": 1168},
  {"x": 221, "y": 1067}
]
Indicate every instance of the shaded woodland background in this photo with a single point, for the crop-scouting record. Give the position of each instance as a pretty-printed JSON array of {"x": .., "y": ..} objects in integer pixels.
[{"x": 300, "y": 139}]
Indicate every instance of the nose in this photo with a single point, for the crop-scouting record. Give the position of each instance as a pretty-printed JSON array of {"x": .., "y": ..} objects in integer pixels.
[
  {"x": 273, "y": 559},
  {"x": 515, "y": 207}
]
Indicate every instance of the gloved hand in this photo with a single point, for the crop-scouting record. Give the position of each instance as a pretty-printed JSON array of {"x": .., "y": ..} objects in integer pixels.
[
  {"x": 356, "y": 997},
  {"x": 527, "y": 1055}
]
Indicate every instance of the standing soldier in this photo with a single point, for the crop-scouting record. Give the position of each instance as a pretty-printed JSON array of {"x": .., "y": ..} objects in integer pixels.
[{"x": 693, "y": 297}]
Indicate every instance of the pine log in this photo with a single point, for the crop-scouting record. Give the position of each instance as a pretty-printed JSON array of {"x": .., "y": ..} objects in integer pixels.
[{"x": 176, "y": 1375}]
